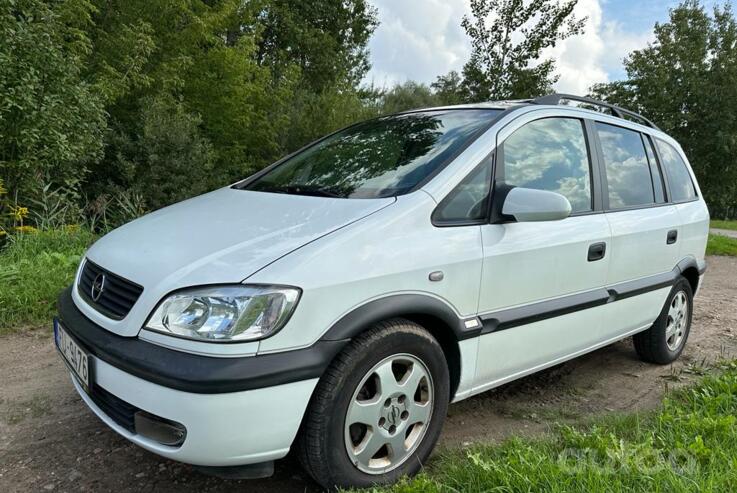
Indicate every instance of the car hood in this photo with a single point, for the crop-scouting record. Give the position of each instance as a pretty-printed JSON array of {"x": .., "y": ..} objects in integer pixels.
[{"x": 220, "y": 237}]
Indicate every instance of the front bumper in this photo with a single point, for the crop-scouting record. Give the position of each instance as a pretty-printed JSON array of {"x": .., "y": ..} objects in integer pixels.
[
  {"x": 236, "y": 411},
  {"x": 234, "y": 428}
]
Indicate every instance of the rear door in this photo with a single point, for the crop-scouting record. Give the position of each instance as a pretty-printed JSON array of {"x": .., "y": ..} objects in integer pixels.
[
  {"x": 682, "y": 192},
  {"x": 542, "y": 288},
  {"x": 645, "y": 227}
]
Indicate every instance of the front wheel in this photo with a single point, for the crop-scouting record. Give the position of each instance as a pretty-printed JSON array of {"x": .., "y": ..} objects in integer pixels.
[{"x": 377, "y": 412}]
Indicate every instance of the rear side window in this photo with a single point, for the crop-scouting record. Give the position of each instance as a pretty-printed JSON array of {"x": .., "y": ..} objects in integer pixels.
[
  {"x": 679, "y": 179},
  {"x": 469, "y": 201},
  {"x": 654, "y": 171},
  {"x": 550, "y": 154},
  {"x": 627, "y": 167}
]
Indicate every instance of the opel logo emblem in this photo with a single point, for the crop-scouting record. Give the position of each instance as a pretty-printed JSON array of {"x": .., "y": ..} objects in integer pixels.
[
  {"x": 393, "y": 415},
  {"x": 98, "y": 286}
]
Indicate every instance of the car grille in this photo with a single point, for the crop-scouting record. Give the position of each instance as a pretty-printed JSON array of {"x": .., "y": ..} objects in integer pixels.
[
  {"x": 117, "y": 409},
  {"x": 118, "y": 294}
]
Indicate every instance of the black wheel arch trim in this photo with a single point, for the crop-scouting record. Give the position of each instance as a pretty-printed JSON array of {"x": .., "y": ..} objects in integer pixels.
[
  {"x": 398, "y": 305},
  {"x": 691, "y": 262}
]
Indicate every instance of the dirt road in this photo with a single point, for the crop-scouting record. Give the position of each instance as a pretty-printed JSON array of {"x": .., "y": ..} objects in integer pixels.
[{"x": 49, "y": 441}]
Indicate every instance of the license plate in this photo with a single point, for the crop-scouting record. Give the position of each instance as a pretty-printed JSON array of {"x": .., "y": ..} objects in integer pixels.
[{"x": 74, "y": 356}]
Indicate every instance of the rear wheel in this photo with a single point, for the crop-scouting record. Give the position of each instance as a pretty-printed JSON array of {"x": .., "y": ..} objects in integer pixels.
[
  {"x": 378, "y": 410},
  {"x": 663, "y": 343}
]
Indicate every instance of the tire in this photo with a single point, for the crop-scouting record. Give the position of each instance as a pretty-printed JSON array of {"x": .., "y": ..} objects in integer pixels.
[
  {"x": 366, "y": 370},
  {"x": 663, "y": 343}
]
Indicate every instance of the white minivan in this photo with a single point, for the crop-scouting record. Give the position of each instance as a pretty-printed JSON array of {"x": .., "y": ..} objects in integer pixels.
[{"x": 336, "y": 302}]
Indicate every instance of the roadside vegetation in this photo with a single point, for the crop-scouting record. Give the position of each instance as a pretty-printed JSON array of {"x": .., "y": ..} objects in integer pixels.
[
  {"x": 149, "y": 102},
  {"x": 721, "y": 245},
  {"x": 690, "y": 444},
  {"x": 34, "y": 267},
  {"x": 724, "y": 224}
]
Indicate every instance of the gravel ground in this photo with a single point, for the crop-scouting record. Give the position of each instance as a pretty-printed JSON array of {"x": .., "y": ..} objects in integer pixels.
[
  {"x": 724, "y": 232},
  {"x": 49, "y": 441}
]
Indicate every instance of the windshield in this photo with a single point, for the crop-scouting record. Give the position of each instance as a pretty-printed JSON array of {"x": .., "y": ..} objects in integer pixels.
[{"x": 379, "y": 158}]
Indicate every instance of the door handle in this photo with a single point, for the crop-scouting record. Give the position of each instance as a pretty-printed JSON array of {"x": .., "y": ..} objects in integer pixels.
[
  {"x": 672, "y": 236},
  {"x": 597, "y": 251}
]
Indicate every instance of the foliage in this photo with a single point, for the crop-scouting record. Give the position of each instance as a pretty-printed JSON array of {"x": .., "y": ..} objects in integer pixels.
[
  {"x": 688, "y": 445},
  {"x": 51, "y": 120},
  {"x": 326, "y": 39},
  {"x": 12, "y": 216},
  {"x": 170, "y": 160},
  {"x": 685, "y": 82},
  {"x": 33, "y": 268},
  {"x": 448, "y": 88},
  {"x": 723, "y": 224},
  {"x": 721, "y": 245},
  {"x": 235, "y": 84},
  {"x": 408, "y": 96},
  {"x": 508, "y": 38},
  {"x": 111, "y": 210},
  {"x": 54, "y": 208}
]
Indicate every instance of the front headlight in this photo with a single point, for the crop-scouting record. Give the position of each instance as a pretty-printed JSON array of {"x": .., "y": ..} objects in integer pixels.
[{"x": 225, "y": 313}]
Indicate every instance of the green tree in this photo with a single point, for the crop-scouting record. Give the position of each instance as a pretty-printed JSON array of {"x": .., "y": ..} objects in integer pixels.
[
  {"x": 408, "y": 96},
  {"x": 260, "y": 78},
  {"x": 326, "y": 39},
  {"x": 448, "y": 88},
  {"x": 507, "y": 41},
  {"x": 51, "y": 120},
  {"x": 686, "y": 82}
]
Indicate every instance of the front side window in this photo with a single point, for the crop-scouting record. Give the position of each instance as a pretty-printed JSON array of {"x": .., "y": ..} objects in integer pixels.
[
  {"x": 627, "y": 167},
  {"x": 383, "y": 157},
  {"x": 550, "y": 154},
  {"x": 679, "y": 179}
]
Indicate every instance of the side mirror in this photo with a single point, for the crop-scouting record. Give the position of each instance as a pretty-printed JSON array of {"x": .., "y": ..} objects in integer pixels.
[{"x": 527, "y": 204}]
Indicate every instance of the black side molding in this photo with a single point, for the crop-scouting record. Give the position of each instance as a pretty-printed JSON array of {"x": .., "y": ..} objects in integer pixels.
[
  {"x": 401, "y": 305},
  {"x": 191, "y": 372},
  {"x": 514, "y": 317},
  {"x": 534, "y": 312}
]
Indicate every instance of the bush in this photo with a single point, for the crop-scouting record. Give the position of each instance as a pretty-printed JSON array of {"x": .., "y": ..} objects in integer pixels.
[
  {"x": 51, "y": 119},
  {"x": 34, "y": 268}
]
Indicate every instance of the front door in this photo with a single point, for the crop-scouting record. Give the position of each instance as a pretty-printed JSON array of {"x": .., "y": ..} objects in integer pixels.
[{"x": 542, "y": 282}]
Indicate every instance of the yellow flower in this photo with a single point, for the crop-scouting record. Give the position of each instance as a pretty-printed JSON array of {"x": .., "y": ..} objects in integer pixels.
[
  {"x": 25, "y": 229},
  {"x": 71, "y": 227},
  {"x": 19, "y": 212}
]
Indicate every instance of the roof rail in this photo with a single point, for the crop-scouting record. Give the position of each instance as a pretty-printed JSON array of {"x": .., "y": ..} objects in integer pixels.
[{"x": 555, "y": 99}]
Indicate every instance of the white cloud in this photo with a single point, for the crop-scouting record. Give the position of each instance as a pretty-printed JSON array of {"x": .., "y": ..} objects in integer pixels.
[
  {"x": 421, "y": 39},
  {"x": 418, "y": 40},
  {"x": 597, "y": 54}
]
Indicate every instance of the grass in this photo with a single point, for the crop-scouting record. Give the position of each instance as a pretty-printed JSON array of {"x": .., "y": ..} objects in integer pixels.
[
  {"x": 721, "y": 245},
  {"x": 690, "y": 444},
  {"x": 720, "y": 224},
  {"x": 33, "y": 269}
]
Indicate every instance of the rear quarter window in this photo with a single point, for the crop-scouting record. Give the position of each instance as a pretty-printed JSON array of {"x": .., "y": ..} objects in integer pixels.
[{"x": 679, "y": 179}]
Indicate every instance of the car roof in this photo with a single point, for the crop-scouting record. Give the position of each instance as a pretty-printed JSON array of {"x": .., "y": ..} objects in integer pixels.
[{"x": 557, "y": 100}]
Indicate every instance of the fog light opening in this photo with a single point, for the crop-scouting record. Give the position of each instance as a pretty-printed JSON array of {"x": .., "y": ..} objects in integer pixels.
[{"x": 161, "y": 430}]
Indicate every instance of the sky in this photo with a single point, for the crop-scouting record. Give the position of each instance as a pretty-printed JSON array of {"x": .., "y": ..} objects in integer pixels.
[{"x": 421, "y": 39}]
